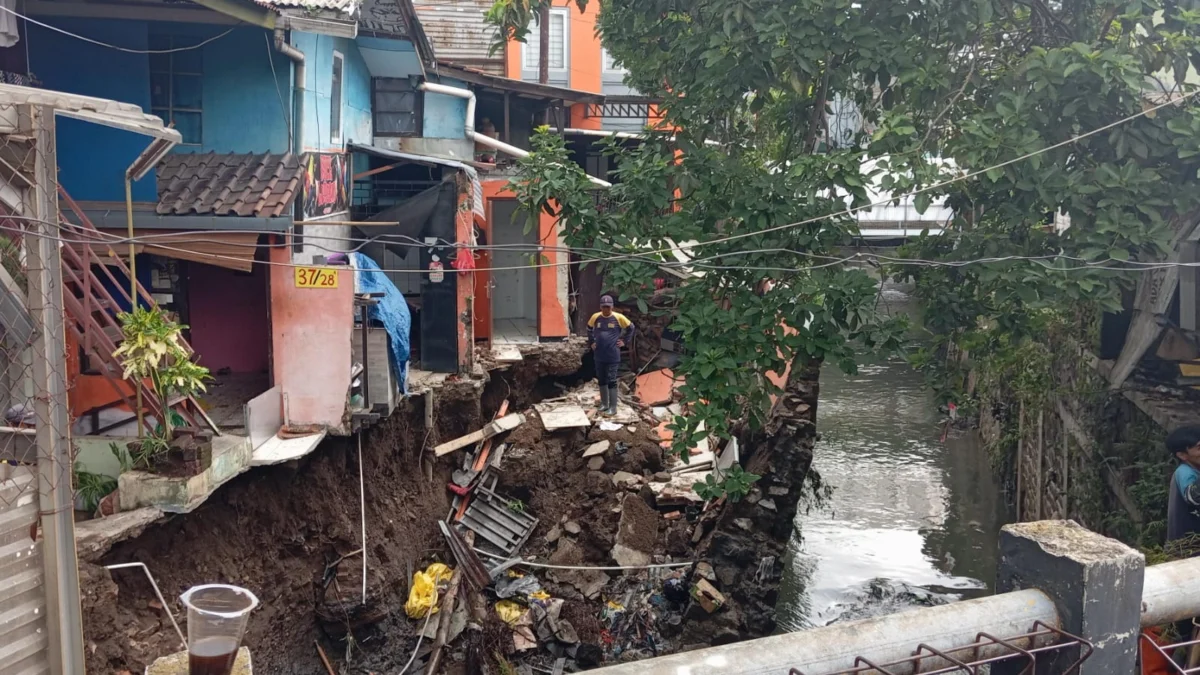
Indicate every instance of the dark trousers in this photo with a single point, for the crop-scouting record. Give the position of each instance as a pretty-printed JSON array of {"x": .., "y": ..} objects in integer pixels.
[{"x": 606, "y": 374}]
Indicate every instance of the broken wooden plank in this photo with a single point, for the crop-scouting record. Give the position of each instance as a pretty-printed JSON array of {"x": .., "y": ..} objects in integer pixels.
[
  {"x": 507, "y": 423},
  {"x": 564, "y": 417},
  {"x": 473, "y": 569},
  {"x": 485, "y": 450}
]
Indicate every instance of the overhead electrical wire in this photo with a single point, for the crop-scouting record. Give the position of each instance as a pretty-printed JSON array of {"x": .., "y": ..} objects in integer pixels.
[
  {"x": 647, "y": 256},
  {"x": 833, "y": 261},
  {"x": 127, "y": 50}
]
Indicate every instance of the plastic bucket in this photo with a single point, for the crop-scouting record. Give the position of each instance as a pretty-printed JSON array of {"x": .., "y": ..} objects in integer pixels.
[{"x": 217, "y": 616}]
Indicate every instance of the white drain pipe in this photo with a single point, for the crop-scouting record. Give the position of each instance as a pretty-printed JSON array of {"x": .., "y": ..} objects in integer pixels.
[{"x": 477, "y": 137}]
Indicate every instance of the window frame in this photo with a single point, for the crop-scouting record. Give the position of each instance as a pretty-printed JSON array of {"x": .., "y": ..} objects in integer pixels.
[
  {"x": 172, "y": 41},
  {"x": 605, "y": 58},
  {"x": 565, "y": 13},
  {"x": 335, "y": 130},
  {"x": 418, "y": 110}
]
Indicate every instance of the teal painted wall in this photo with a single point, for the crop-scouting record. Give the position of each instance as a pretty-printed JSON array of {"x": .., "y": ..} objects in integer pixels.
[
  {"x": 445, "y": 115},
  {"x": 356, "y": 92}
]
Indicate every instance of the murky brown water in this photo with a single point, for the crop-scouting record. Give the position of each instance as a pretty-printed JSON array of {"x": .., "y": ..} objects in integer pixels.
[{"x": 912, "y": 520}]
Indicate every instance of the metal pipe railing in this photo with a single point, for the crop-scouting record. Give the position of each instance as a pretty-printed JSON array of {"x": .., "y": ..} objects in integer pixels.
[{"x": 1171, "y": 592}]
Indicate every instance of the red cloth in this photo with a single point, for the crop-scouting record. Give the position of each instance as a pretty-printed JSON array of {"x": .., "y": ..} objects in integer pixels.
[{"x": 464, "y": 261}]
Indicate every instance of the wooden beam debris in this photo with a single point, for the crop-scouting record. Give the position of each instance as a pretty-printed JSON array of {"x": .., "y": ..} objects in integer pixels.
[{"x": 506, "y": 423}]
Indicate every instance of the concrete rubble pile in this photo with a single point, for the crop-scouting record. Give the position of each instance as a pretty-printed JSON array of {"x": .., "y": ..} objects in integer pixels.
[{"x": 574, "y": 537}]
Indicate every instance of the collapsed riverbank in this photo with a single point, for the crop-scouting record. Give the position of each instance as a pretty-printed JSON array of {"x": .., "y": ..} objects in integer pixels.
[{"x": 293, "y": 535}]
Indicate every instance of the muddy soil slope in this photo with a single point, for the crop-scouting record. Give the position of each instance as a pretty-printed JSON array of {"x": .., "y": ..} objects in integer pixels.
[{"x": 274, "y": 530}]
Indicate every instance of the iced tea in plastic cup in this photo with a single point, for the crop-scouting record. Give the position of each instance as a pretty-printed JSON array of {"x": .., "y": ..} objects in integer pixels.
[{"x": 217, "y": 615}]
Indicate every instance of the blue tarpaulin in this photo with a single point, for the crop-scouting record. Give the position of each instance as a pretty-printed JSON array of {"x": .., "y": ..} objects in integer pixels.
[{"x": 391, "y": 311}]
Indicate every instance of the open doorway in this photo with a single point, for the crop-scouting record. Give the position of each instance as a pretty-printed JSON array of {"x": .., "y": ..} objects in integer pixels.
[{"x": 514, "y": 279}]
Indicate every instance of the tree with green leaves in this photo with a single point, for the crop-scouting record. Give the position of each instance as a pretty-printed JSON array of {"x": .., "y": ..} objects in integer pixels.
[{"x": 754, "y": 187}]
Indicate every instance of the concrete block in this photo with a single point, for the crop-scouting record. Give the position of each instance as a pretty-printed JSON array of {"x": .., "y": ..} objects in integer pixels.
[
  {"x": 231, "y": 456},
  {"x": 177, "y": 664},
  {"x": 1095, "y": 583}
]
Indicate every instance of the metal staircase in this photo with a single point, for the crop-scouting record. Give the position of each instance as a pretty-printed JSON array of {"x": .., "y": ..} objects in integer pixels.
[{"x": 91, "y": 312}]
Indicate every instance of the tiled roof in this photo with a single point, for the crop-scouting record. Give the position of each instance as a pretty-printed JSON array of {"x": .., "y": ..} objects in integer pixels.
[
  {"x": 348, "y": 7},
  {"x": 228, "y": 185}
]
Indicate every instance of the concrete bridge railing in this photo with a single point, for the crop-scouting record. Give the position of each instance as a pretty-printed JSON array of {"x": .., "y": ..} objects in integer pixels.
[{"x": 1064, "y": 594}]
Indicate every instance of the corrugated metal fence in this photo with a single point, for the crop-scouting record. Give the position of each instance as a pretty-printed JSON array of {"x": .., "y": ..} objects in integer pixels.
[{"x": 23, "y": 638}]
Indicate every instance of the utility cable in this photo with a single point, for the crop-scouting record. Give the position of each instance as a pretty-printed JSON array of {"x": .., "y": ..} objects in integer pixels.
[
  {"x": 127, "y": 50},
  {"x": 1124, "y": 266}
]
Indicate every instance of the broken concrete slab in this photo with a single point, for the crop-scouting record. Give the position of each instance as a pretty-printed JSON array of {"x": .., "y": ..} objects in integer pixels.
[
  {"x": 572, "y": 527},
  {"x": 506, "y": 423},
  {"x": 559, "y": 416},
  {"x": 595, "y": 464},
  {"x": 597, "y": 449},
  {"x": 637, "y": 533},
  {"x": 624, "y": 479},
  {"x": 177, "y": 664},
  {"x": 506, "y": 354},
  {"x": 94, "y": 538},
  {"x": 679, "y": 490}
]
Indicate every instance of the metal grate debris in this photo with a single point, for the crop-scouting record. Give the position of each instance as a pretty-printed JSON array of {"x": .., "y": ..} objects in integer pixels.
[{"x": 975, "y": 658}]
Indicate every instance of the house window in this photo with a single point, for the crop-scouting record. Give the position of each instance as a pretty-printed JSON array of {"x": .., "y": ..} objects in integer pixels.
[
  {"x": 335, "y": 99},
  {"x": 397, "y": 107},
  {"x": 610, "y": 66},
  {"x": 177, "y": 85},
  {"x": 558, "y": 42}
]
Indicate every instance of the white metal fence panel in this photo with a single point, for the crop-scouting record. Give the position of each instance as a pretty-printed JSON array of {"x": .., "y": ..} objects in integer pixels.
[{"x": 24, "y": 642}]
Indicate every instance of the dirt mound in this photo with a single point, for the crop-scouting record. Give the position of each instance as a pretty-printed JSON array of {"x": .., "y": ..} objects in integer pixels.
[{"x": 274, "y": 530}]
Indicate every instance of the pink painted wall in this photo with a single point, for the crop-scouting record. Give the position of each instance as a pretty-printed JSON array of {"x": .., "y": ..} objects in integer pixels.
[
  {"x": 229, "y": 321},
  {"x": 311, "y": 330}
]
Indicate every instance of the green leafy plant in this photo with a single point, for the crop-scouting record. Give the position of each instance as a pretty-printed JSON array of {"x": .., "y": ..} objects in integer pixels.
[
  {"x": 516, "y": 506},
  {"x": 92, "y": 487},
  {"x": 733, "y": 485},
  {"x": 152, "y": 348}
]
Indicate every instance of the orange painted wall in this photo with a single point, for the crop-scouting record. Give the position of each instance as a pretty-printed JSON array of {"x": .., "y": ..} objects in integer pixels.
[
  {"x": 583, "y": 51},
  {"x": 88, "y": 392},
  {"x": 311, "y": 333},
  {"x": 552, "y": 279},
  {"x": 464, "y": 220}
]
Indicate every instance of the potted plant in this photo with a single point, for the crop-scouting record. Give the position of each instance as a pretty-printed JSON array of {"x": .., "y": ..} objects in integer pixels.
[{"x": 152, "y": 349}]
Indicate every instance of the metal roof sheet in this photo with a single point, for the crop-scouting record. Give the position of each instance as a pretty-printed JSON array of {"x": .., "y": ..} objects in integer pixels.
[{"x": 347, "y": 7}]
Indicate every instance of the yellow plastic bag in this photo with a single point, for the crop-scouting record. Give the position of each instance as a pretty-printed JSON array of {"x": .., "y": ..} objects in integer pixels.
[
  {"x": 509, "y": 611},
  {"x": 423, "y": 596}
]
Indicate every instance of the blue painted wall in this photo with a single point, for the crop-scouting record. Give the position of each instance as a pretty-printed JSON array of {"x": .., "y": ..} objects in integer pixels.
[
  {"x": 92, "y": 159},
  {"x": 445, "y": 116},
  {"x": 241, "y": 105},
  {"x": 356, "y": 91}
]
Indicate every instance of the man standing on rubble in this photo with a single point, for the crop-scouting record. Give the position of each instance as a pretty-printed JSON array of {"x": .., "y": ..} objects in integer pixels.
[{"x": 608, "y": 331}]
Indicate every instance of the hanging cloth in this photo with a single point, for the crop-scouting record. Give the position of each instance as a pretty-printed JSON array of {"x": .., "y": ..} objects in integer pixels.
[{"x": 9, "y": 32}]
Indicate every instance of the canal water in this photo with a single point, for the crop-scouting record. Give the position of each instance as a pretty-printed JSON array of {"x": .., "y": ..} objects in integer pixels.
[{"x": 913, "y": 520}]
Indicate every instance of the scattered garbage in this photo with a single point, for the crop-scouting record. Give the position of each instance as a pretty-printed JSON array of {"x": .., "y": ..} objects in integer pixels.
[
  {"x": 423, "y": 595},
  {"x": 636, "y": 508}
]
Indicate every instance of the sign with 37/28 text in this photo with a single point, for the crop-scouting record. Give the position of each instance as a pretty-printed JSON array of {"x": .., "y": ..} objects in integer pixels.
[{"x": 316, "y": 277}]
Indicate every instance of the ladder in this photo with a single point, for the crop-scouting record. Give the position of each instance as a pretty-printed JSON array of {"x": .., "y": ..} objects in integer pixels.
[{"x": 90, "y": 311}]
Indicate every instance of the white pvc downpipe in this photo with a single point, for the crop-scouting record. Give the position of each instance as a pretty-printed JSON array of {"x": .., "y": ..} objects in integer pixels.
[
  {"x": 298, "y": 83},
  {"x": 479, "y": 138},
  {"x": 620, "y": 134}
]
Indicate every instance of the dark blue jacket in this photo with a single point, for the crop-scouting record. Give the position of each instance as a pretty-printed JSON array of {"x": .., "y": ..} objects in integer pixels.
[{"x": 604, "y": 331}]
